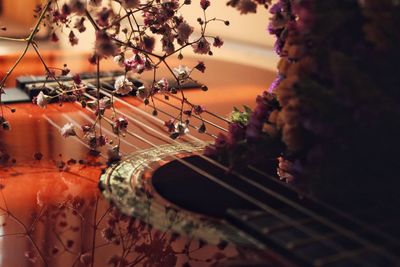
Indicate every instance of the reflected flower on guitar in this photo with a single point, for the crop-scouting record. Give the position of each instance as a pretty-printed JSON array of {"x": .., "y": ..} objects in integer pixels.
[{"x": 68, "y": 130}]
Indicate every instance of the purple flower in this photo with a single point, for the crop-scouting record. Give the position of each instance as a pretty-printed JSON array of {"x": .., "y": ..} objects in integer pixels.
[
  {"x": 184, "y": 31},
  {"x": 236, "y": 132},
  {"x": 275, "y": 83},
  {"x": 276, "y": 8},
  {"x": 201, "y": 47}
]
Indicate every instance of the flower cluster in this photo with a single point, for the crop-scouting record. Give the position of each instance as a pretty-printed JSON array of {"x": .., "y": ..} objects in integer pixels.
[
  {"x": 128, "y": 32},
  {"x": 336, "y": 120}
]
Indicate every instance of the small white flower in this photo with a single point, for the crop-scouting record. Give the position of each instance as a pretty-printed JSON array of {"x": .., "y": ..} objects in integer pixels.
[
  {"x": 105, "y": 103},
  {"x": 163, "y": 85},
  {"x": 68, "y": 130},
  {"x": 119, "y": 59},
  {"x": 123, "y": 86},
  {"x": 181, "y": 128},
  {"x": 182, "y": 72},
  {"x": 42, "y": 100}
]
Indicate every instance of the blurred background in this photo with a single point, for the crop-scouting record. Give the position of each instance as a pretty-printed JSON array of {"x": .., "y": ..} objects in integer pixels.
[{"x": 245, "y": 40}]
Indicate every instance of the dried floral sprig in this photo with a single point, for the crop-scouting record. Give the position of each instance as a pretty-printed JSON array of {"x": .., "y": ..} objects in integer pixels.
[{"x": 120, "y": 33}]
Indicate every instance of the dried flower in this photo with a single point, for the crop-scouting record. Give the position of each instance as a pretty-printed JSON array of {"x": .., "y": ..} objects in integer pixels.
[
  {"x": 184, "y": 31},
  {"x": 104, "y": 45},
  {"x": 86, "y": 259},
  {"x": 218, "y": 42},
  {"x": 163, "y": 85},
  {"x": 204, "y": 4},
  {"x": 182, "y": 72},
  {"x": 120, "y": 125},
  {"x": 42, "y": 99},
  {"x": 201, "y": 66},
  {"x": 181, "y": 128},
  {"x": 113, "y": 154},
  {"x": 136, "y": 63},
  {"x": 123, "y": 86},
  {"x": 202, "y": 46},
  {"x": 68, "y": 130}
]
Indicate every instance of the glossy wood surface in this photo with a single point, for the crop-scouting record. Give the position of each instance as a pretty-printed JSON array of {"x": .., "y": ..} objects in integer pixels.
[{"x": 51, "y": 205}]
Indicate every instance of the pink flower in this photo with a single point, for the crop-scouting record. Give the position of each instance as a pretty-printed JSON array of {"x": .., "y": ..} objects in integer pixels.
[
  {"x": 120, "y": 125},
  {"x": 181, "y": 128},
  {"x": 42, "y": 100},
  {"x": 136, "y": 63},
  {"x": 119, "y": 59},
  {"x": 182, "y": 72},
  {"x": 218, "y": 42},
  {"x": 123, "y": 86},
  {"x": 184, "y": 31},
  {"x": 163, "y": 85},
  {"x": 68, "y": 130},
  {"x": 204, "y": 4},
  {"x": 201, "y": 47}
]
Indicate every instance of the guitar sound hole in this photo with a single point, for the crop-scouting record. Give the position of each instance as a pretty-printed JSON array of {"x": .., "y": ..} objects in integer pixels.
[{"x": 192, "y": 191}]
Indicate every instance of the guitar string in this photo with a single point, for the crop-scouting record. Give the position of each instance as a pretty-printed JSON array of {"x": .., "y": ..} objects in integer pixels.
[
  {"x": 155, "y": 145},
  {"x": 193, "y": 115}
]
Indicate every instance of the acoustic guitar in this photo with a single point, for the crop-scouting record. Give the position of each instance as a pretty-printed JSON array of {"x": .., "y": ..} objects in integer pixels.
[{"x": 164, "y": 203}]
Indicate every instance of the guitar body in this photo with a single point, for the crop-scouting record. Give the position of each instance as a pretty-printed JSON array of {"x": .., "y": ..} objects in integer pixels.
[{"x": 53, "y": 212}]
